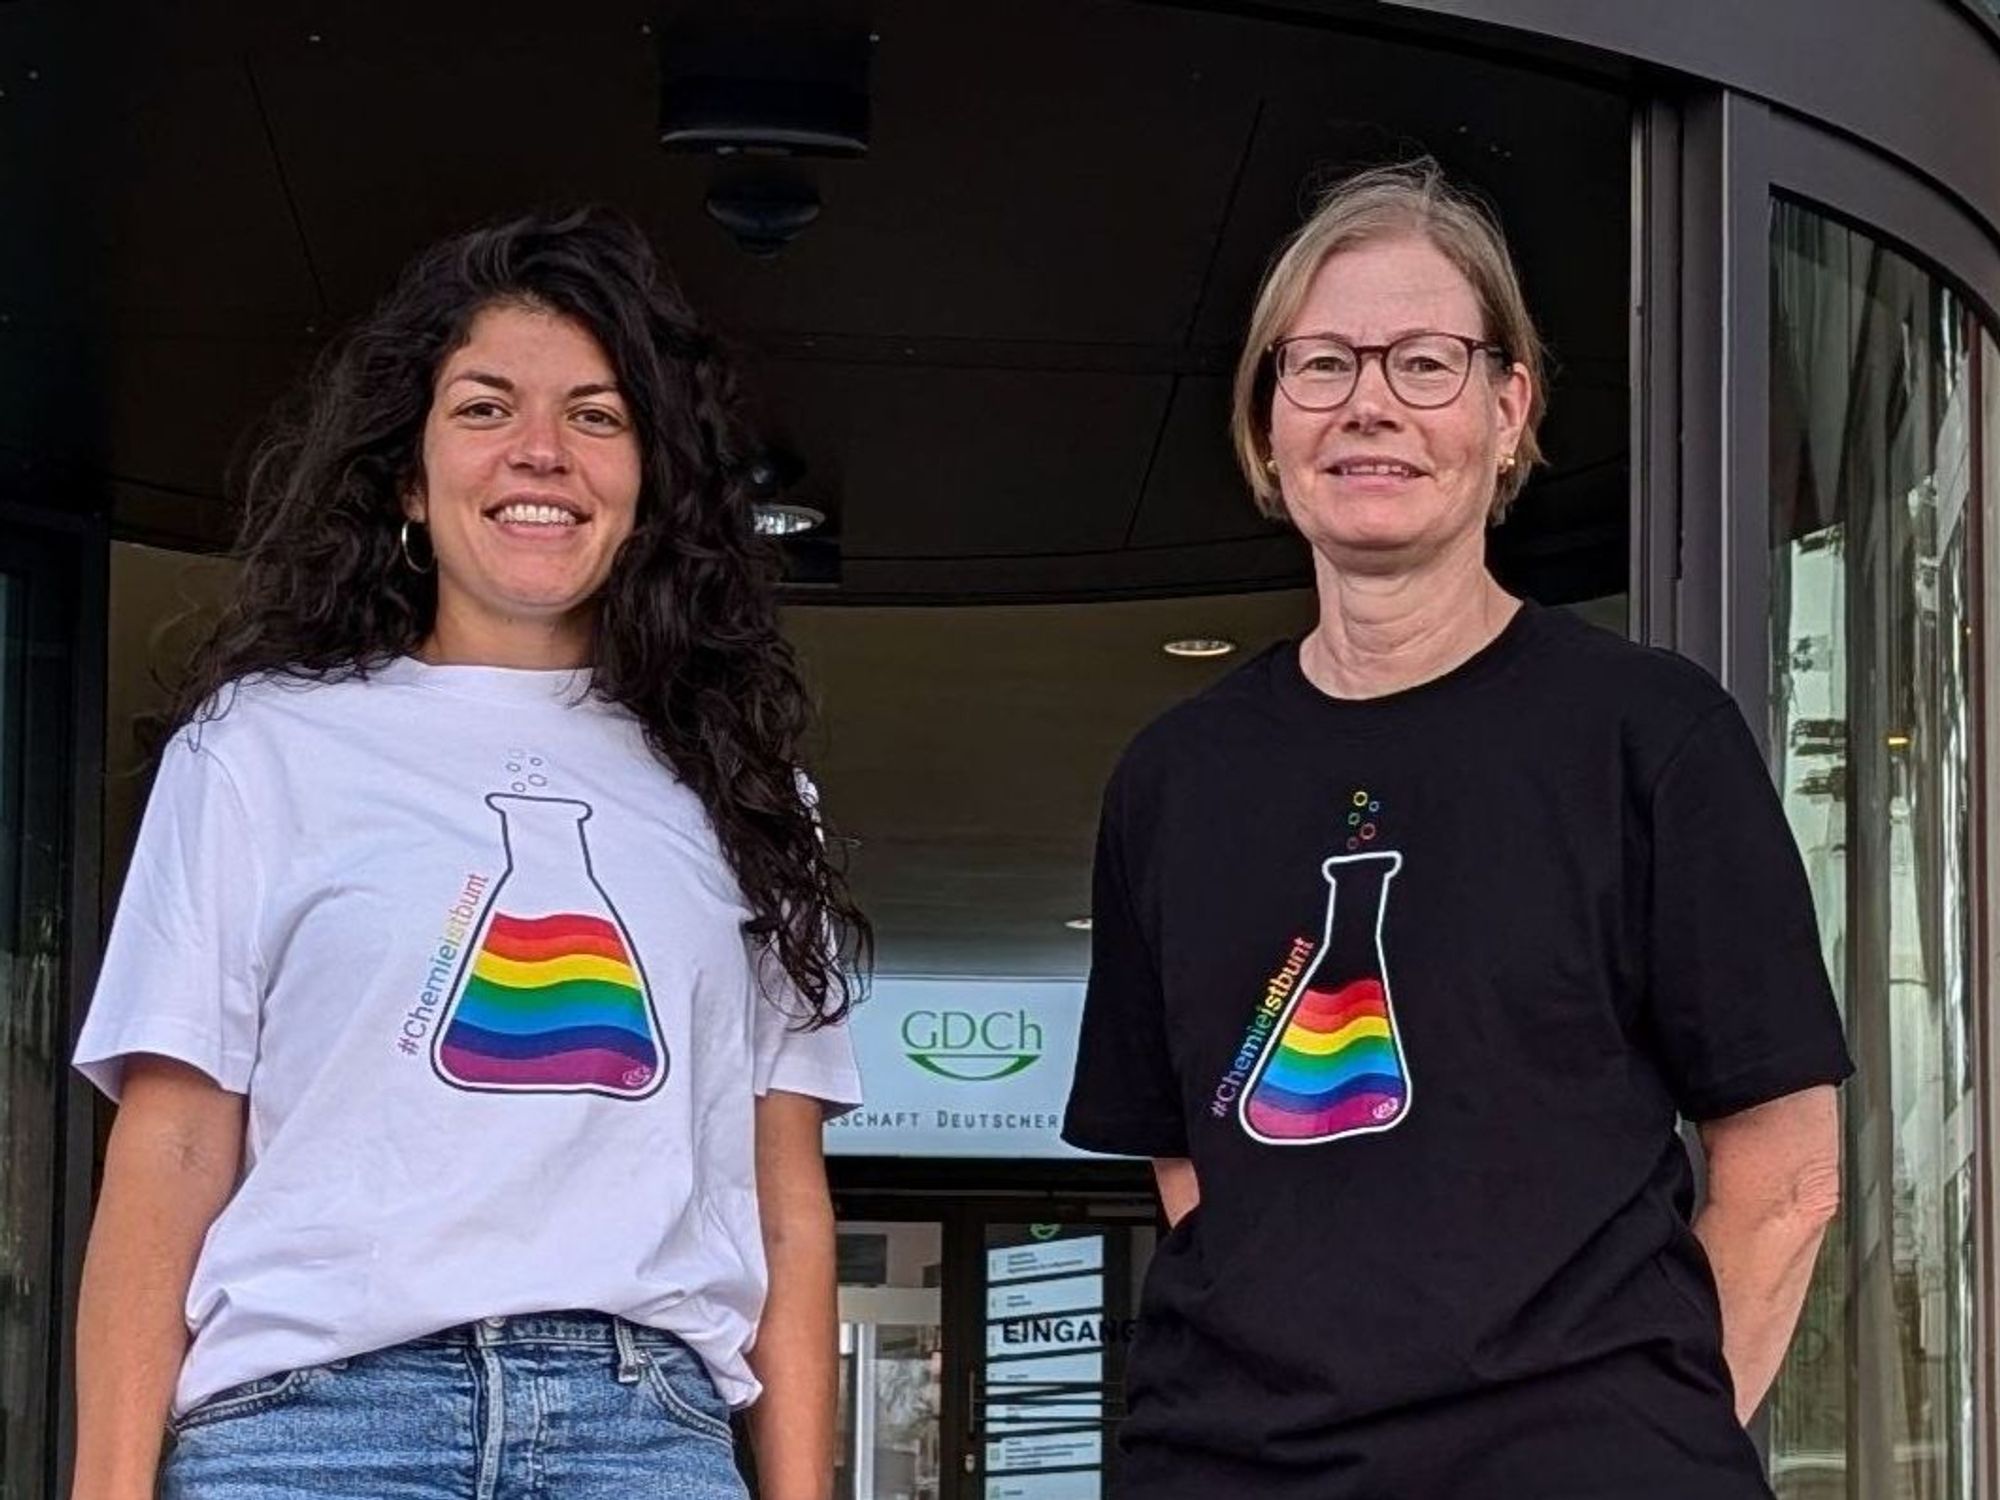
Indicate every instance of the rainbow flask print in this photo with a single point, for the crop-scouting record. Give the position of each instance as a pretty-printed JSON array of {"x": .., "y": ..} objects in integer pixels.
[
  {"x": 551, "y": 997},
  {"x": 1334, "y": 1066}
]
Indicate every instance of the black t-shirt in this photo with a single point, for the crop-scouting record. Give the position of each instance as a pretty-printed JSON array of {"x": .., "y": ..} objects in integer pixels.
[{"x": 1421, "y": 984}]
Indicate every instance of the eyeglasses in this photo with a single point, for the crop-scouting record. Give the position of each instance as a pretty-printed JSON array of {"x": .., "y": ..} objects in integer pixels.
[{"x": 1318, "y": 372}]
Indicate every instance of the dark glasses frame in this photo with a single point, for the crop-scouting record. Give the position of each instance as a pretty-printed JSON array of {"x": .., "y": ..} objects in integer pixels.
[{"x": 1275, "y": 350}]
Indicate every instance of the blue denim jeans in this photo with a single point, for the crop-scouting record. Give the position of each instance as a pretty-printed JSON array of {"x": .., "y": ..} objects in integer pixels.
[{"x": 561, "y": 1406}]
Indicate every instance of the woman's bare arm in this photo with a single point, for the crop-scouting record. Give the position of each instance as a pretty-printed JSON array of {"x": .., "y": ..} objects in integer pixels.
[
  {"x": 1773, "y": 1183},
  {"x": 796, "y": 1356},
  {"x": 1179, "y": 1190},
  {"x": 174, "y": 1156}
]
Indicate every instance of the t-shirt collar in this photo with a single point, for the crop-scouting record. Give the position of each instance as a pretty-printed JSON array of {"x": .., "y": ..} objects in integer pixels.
[
  {"x": 1515, "y": 636},
  {"x": 490, "y": 684}
]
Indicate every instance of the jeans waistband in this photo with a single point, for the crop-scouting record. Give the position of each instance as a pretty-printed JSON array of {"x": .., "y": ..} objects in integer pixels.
[{"x": 577, "y": 1327}]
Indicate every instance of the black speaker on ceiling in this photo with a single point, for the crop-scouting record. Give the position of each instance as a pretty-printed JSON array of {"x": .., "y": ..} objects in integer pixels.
[{"x": 770, "y": 90}]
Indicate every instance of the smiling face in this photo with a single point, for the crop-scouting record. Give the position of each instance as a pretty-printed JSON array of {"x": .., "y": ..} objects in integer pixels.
[
  {"x": 1376, "y": 485},
  {"x": 531, "y": 479}
]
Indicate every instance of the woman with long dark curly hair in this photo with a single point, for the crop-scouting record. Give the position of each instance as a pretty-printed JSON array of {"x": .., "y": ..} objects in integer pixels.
[{"x": 473, "y": 1002}]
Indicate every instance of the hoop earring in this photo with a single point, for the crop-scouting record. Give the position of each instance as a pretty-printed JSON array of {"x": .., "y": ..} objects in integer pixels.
[{"x": 409, "y": 558}]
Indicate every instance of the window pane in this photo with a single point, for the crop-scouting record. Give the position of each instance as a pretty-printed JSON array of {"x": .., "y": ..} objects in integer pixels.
[{"x": 1872, "y": 396}]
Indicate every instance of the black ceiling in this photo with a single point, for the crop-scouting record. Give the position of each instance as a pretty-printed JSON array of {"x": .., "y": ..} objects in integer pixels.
[{"x": 1001, "y": 352}]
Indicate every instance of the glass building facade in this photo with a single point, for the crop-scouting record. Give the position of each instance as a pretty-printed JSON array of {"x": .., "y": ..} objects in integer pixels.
[{"x": 1881, "y": 409}]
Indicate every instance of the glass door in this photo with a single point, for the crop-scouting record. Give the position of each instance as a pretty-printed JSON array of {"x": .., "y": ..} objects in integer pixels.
[
  {"x": 892, "y": 1375},
  {"x": 1839, "y": 553},
  {"x": 1057, "y": 1305},
  {"x": 1877, "y": 410},
  {"x": 982, "y": 1347}
]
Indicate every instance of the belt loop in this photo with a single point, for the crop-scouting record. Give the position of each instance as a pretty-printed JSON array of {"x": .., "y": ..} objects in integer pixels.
[{"x": 630, "y": 1360}]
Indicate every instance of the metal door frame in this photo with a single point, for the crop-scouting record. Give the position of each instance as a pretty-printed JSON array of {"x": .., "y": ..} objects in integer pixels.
[{"x": 73, "y": 552}]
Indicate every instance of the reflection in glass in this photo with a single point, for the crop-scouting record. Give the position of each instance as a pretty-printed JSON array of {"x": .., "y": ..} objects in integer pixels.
[
  {"x": 891, "y": 1361},
  {"x": 1873, "y": 402}
]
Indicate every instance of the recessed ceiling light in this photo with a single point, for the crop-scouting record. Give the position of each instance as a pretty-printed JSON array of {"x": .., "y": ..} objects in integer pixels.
[
  {"x": 1078, "y": 924},
  {"x": 1199, "y": 645},
  {"x": 785, "y": 520}
]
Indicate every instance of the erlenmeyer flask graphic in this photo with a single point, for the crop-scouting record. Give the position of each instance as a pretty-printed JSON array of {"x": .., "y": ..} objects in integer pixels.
[
  {"x": 551, "y": 997},
  {"x": 1334, "y": 1066}
]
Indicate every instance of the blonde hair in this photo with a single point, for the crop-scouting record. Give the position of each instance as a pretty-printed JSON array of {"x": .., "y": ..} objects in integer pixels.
[{"x": 1380, "y": 203}]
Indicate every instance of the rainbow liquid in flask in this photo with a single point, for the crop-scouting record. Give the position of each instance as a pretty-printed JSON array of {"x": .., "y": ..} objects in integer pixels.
[
  {"x": 551, "y": 998},
  {"x": 1335, "y": 1065}
]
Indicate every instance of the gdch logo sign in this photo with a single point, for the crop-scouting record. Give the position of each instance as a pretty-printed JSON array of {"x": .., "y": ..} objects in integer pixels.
[{"x": 972, "y": 1048}]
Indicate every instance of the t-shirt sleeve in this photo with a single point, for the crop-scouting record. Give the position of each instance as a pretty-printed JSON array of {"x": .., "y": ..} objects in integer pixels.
[
  {"x": 791, "y": 1058},
  {"x": 1124, "y": 1096},
  {"x": 789, "y": 1055},
  {"x": 1738, "y": 1000},
  {"x": 182, "y": 974}
]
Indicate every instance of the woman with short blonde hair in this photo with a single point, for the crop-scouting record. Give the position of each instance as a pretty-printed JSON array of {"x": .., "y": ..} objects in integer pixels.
[
  {"x": 1414, "y": 939},
  {"x": 1383, "y": 203}
]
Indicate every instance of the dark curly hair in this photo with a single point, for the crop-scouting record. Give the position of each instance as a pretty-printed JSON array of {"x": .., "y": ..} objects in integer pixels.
[{"x": 686, "y": 633}]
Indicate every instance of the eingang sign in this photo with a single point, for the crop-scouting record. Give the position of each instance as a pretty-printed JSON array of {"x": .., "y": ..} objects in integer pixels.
[{"x": 962, "y": 1067}]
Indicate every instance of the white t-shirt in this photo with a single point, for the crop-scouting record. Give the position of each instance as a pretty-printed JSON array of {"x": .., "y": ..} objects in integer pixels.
[{"x": 476, "y": 958}]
